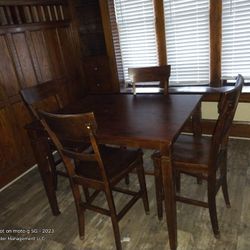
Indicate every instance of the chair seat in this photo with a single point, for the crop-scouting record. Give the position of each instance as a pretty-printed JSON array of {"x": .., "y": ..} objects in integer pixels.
[
  {"x": 115, "y": 160},
  {"x": 190, "y": 153}
]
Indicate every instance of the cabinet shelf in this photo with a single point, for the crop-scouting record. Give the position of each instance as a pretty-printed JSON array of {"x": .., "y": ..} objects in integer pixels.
[{"x": 97, "y": 53}]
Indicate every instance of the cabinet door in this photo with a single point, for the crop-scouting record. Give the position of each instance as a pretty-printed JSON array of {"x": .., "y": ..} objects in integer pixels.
[{"x": 97, "y": 72}]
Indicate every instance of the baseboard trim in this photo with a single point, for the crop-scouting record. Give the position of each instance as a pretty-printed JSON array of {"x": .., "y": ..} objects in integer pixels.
[{"x": 19, "y": 177}]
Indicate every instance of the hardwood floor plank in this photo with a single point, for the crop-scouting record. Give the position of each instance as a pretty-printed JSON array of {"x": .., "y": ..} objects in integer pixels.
[{"x": 24, "y": 206}]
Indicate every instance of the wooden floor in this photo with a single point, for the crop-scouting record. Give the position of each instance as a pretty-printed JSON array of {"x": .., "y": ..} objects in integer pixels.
[{"x": 24, "y": 206}]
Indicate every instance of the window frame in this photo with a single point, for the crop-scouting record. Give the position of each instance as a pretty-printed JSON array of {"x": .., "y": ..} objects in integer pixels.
[{"x": 215, "y": 29}]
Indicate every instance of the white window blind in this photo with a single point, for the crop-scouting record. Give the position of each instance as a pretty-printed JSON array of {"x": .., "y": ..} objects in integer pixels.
[
  {"x": 136, "y": 26},
  {"x": 235, "y": 39},
  {"x": 187, "y": 39}
]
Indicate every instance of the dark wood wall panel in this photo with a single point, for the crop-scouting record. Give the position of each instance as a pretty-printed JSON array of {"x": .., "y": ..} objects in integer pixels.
[
  {"x": 8, "y": 142},
  {"x": 66, "y": 50},
  {"x": 23, "y": 59},
  {"x": 71, "y": 54},
  {"x": 38, "y": 43},
  {"x": 53, "y": 47},
  {"x": 34, "y": 55},
  {"x": 22, "y": 117},
  {"x": 40, "y": 55},
  {"x": 7, "y": 69}
]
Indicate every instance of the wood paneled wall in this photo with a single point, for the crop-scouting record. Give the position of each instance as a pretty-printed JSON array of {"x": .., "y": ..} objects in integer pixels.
[{"x": 38, "y": 43}]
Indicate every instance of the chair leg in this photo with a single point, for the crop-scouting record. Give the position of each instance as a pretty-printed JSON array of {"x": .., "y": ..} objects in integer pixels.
[
  {"x": 225, "y": 191},
  {"x": 79, "y": 209},
  {"x": 223, "y": 172},
  {"x": 212, "y": 208},
  {"x": 142, "y": 182},
  {"x": 86, "y": 193},
  {"x": 158, "y": 190},
  {"x": 114, "y": 219},
  {"x": 127, "y": 176},
  {"x": 127, "y": 179},
  {"x": 53, "y": 169},
  {"x": 199, "y": 180},
  {"x": 178, "y": 181}
]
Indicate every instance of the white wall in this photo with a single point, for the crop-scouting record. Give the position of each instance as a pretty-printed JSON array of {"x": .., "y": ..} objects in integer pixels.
[{"x": 209, "y": 111}]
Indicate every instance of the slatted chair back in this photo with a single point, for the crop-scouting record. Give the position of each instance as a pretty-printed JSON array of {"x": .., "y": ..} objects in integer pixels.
[
  {"x": 35, "y": 95},
  {"x": 202, "y": 156},
  {"x": 74, "y": 129},
  {"x": 226, "y": 109},
  {"x": 150, "y": 74},
  {"x": 89, "y": 170},
  {"x": 46, "y": 96}
]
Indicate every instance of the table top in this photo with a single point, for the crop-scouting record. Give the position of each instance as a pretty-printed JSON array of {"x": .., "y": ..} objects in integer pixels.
[{"x": 144, "y": 120}]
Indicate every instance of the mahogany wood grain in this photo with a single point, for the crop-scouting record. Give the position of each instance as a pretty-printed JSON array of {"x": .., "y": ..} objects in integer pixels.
[
  {"x": 41, "y": 148},
  {"x": 109, "y": 44},
  {"x": 41, "y": 97},
  {"x": 97, "y": 45},
  {"x": 101, "y": 169},
  {"x": 215, "y": 42},
  {"x": 97, "y": 73},
  {"x": 160, "y": 31},
  {"x": 205, "y": 157},
  {"x": 35, "y": 47},
  {"x": 128, "y": 125},
  {"x": 150, "y": 74}
]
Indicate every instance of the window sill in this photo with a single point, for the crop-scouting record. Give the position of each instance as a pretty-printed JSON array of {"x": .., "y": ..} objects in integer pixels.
[{"x": 185, "y": 90}]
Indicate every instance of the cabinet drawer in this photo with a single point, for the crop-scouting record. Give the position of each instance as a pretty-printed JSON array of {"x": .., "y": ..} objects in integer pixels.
[{"x": 97, "y": 72}]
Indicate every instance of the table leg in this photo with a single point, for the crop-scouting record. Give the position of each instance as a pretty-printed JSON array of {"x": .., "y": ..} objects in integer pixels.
[
  {"x": 196, "y": 121},
  {"x": 169, "y": 199},
  {"x": 41, "y": 148}
]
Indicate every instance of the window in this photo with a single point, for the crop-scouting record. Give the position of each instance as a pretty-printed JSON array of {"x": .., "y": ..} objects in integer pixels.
[
  {"x": 235, "y": 39},
  {"x": 187, "y": 38},
  {"x": 136, "y": 26}
]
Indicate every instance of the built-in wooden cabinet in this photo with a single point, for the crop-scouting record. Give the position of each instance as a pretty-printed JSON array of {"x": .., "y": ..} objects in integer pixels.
[
  {"x": 98, "y": 74},
  {"x": 38, "y": 43},
  {"x": 98, "y": 58},
  {"x": 69, "y": 41}
]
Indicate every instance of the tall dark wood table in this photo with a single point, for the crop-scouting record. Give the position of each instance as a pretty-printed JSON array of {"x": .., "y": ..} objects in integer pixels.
[{"x": 150, "y": 121}]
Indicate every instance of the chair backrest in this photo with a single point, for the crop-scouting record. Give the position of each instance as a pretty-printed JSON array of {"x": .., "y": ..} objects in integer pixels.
[
  {"x": 73, "y": 129},
  {"x": 150, "y": 74},
  {"x": 35, "y": 95},
  {"x": 227, "y": 106}
]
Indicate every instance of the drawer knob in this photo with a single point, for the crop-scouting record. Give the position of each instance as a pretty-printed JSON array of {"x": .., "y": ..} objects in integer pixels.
[{"x": 95, "y": 68}]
